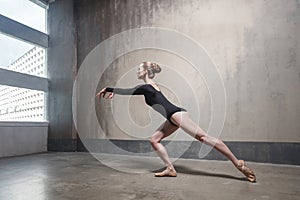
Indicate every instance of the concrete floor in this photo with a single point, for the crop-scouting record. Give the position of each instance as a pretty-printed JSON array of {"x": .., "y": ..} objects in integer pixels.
[{"x": 81, "y": 176}]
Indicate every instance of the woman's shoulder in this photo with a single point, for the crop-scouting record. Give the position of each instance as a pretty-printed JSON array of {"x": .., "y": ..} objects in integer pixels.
[
  {"x": 148, "y": 87},
  {"x": 151, "y": 87},
  {"x": 143, "y": 86}
]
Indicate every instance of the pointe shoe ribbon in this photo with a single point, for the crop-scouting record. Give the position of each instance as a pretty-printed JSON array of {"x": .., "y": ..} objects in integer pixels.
[{"x": 246, "y": 171}]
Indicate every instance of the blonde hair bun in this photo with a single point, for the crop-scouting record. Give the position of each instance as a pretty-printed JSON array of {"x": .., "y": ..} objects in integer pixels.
[
  {"x": 152, "y": 68},
  {"x": 155, "y": 67}
]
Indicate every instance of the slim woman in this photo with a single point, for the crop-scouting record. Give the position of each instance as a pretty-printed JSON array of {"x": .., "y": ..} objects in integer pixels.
[{"x": 176, "y": 117}]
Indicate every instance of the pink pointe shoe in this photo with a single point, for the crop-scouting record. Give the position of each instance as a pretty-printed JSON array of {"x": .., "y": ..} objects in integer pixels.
[
  {"x": 166, "y": 173},
  {"x": 246, "y": 171}
]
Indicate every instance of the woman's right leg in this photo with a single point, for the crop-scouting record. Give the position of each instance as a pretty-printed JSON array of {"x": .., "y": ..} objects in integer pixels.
[{"x": 163, "y": 131}]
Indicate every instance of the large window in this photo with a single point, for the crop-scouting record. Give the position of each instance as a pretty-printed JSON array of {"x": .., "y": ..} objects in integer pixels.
[
  {"x": 20, "y": 104},
  {"x": 20, "y": 57},
  {"x": 25, "y": 12}
]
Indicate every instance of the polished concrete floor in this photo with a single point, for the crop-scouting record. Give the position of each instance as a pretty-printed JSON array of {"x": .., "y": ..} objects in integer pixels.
[{"x": 81, "y": 176}]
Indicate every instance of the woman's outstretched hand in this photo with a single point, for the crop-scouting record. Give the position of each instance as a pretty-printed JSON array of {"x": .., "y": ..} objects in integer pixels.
[{"x": 103, "y": 92}]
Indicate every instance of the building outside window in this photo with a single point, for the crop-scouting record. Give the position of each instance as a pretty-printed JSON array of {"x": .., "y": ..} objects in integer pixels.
[{"x": 17, "y": 103}]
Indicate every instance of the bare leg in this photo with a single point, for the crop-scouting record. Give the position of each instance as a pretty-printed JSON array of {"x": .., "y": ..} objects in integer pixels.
[
  {"x": 183, "y": 120},
  {"x": 188, "y": 125},
  {"x": 163, "y": 131}
]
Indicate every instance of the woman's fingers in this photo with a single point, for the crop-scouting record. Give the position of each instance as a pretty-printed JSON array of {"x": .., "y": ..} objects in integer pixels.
[
  {"x": 101, "y": 93},
  {"x": 110, "y": 96}
]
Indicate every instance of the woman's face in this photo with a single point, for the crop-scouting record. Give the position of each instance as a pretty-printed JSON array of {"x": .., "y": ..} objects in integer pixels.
[{"x": 141, "y": 73}]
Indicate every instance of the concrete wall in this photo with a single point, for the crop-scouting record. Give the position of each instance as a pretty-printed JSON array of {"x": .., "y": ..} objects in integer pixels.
[
  {"x": 20, "y": 138},
  {"x": 254, "y": 44},
  {"x": 61, "y": 72}
]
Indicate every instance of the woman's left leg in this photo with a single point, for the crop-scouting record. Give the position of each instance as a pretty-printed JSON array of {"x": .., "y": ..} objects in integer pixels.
[{"x": 183, "y": 120}]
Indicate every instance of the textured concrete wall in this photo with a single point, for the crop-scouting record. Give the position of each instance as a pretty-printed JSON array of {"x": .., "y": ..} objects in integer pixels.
[
  {"x": 254, "y": 44},
  {"x": 61, "y": 72}
]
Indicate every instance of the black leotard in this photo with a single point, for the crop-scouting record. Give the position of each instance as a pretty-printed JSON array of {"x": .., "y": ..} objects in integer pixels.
[{"x": 153, "y": 98}]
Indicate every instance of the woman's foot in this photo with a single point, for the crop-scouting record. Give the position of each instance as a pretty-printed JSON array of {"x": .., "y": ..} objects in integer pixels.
[
  {"x": 246, "y": 171},
  {"x": 168, "y": 172}
]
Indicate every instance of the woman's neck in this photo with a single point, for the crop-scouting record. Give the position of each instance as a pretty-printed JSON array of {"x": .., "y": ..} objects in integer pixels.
[{"x": 148, "y": 80}]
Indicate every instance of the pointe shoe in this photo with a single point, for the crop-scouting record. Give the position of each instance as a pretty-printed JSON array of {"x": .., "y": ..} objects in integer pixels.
[
  {"x": 246, "y": 171},
  {"x": 166, "y": 173}
]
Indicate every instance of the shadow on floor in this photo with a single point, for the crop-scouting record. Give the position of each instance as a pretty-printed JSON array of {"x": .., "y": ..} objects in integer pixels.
[{"x": 185, "y": 170}]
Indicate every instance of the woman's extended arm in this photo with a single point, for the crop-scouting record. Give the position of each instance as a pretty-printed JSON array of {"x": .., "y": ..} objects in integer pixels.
[{"x": 138, "y": 90}]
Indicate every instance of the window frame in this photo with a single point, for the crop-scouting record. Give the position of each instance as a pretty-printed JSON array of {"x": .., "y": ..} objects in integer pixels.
[{"x": 25, "y": 33}]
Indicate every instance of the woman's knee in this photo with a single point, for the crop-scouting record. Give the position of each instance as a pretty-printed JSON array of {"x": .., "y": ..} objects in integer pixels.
[
  {"x": 206, "y": 139},
  {"x": 201, "y": 137},
  {"x": 154, "y": 140}
]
